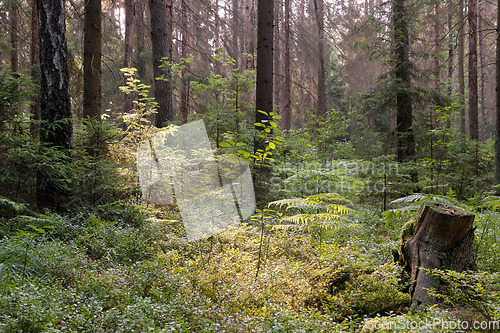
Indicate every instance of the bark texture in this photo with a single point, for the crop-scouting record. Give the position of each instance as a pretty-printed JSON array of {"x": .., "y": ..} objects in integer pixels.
[
  {"x": 161, "y": 45},
  {"x": 440, "y": 236},
  {"x": 129, "y": 47},
  {"x": 35, "y": 70},
  {"x": 264, "y": 89},
  {"x": 92, "y": 60},
  {"x": 461, "y": 75},
  {"x": 56, "y": 129},
  {"x": 473, "y": 95},
  {"x": 319, "y": 12},
  {"x": 405, "y": 137},
  {"x": 287, "y": 107}
]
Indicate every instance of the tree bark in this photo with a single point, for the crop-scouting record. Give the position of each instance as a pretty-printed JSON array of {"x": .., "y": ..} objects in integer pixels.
[
  {"x": 14, "y": 37},
  {"x": 264, "y": 89},
  {"x": 140, "y": 36},
  {"x": 482, "y": 65},
  {"x": 129, "y": 48},
  {"x": 405, "y": 137},
  {"x": 184, "y": 103},
  {"x": 92, "y": 60},
  {"x": 319, "y": 12},
  {"x": 249, "y": 33},
  {"x": 56, "y": 130},
  {"x": 287, "y": 107},
  {"x": 461, "y": 71},
  {"x": 440, "y": 236},
  {"x": 473, "y": 96},
  {"x": 35, "y": 71},
  {"x": 437, "y": 45},
  {"x": 161, "y": 47}
]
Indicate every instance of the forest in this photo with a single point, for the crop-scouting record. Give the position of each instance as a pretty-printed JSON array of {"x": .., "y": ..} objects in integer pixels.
[{"x": 369, "y": 132}]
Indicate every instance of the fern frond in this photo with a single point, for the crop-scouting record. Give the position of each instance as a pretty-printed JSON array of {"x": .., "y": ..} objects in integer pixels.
[
  {"x": 311, "y": 218},
  {"x": 419, "y": 197}
]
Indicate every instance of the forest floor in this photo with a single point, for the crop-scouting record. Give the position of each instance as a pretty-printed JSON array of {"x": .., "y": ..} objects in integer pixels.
[{"x": 134, "y": 271}]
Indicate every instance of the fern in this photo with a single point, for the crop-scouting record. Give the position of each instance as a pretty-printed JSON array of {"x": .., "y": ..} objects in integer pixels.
[
  {"x": 419, "y": 198},
  {"x": 323, "y": 210}
]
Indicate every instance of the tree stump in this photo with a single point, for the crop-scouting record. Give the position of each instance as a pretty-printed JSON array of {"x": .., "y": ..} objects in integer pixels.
[{"x": 440, "y": 236}]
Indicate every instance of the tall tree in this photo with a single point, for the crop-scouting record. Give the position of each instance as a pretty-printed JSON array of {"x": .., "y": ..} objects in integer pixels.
[
  {"x": 264, "y": 87},
  {"x": 287, "y": 107},
  {"x": 320, "y": 21},
  {"x": 56, "y": 130},
  {"x": 14, "y": 37},
  {"x": 405, "y": 137},
  {"x": 473, "y": 96},
  {"x": 461, "y": 71},
  {"x": 92, "y": 59},
  {"x": 35, "y": 69},
  {"x": 249, "y": 33},
  {"x": 129, "y": 46},
  {"x": 140, "y": 36},
  {"x": 161, "y": 48},
  {"x": 437, "y": 44},
  {"x": 482, "y": 65},
  {"x": 184, "y": 103}
]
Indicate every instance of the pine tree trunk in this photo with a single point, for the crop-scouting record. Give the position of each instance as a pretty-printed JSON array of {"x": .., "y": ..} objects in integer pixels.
[
  {"x": 184, "y": 102},
  {"x": 405, "y": 137},
  {"x": 287, "y": 107},
  {"x": 450, "y": 52},
  {"x": 461, "y": 71},
  {"x": 264, "y": 89},
  {"x": 92, "y": 60},
  {"x": 277, "y": 56},
  {"x": 129, "y": 48},
  {"x": 56, "y": 131},
  {"x": 482, "y": 65},
  {"x": 139, "y": 38},
  {"x": 437, "y": 45},
  {"x": 161, "y": 47},
  {"x": 35, "y": 71},
  {"x": 473, "y": 96},
  {"x": 249, "y": 34},
  {"x": 440, "y": 236},
  {"x": 319, "y": 12},
  {"x": 14, "y": 37}
]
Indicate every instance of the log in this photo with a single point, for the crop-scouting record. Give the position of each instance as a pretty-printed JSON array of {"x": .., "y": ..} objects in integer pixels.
[{"x": 440, "y": 236}]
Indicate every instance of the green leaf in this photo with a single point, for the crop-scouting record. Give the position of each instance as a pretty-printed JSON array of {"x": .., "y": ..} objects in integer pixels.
[{"x": 272, "y": 145}]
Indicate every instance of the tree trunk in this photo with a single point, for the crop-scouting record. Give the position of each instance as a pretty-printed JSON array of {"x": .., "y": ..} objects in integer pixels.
[
  {"x": 287, "y": 107},
  {"x": 319, "y": 12},
  {"x": 56, "y": 131},
  {"x": 277, "y": 56},
  {"x": 405, "y": 137},
  {"x": 92, "y": 60},
  {"x": 497, "y": 90},
  {"x": 440, "y": 236},
  {"x": 437, "y": 46},
  {"x": 264, "y": 89},
  {"x": 482, "y": 65},
  {"x": 161, "y": 46},
  {"x": 14, "y": 37},
  {"x": 249, "y": 33},
  {"x": 450, "y": 53},
  {"x": 184, "y": 103},
  {"x": 473, "y": 96},
  {"x": 461, "y": 71},
  {"x": 235, "y": 30},
  {"x": 35, "y": 71},
  {"x": 140, "y": 36},
  {"x": 129, "y": 48}
]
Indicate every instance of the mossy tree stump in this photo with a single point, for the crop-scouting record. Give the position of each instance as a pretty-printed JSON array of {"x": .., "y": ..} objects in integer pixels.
[{"x": 440, "y": 236}]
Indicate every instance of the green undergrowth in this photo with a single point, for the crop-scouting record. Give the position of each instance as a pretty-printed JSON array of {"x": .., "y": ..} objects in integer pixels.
[{"x": 106, "y": 270}]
